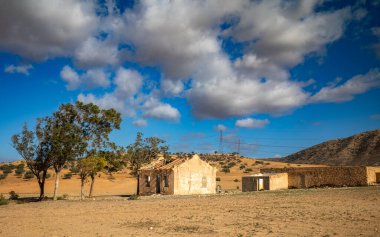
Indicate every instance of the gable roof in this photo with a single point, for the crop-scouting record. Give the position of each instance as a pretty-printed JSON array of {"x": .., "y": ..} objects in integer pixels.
[{"x": 160, "y": 165}]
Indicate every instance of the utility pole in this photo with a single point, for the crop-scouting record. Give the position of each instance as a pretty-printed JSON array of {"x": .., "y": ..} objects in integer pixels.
[
  {"x": 238, "y": 147},
  {"x": 221, "y": 142}
]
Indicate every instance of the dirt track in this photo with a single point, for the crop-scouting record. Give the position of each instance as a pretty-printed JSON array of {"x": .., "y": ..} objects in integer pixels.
[{"x": 314, "y": 212}]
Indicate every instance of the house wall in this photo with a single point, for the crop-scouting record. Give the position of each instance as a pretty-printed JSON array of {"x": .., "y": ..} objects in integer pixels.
[
  {"x": 144, "y": 190},
  {"x": 273, "y": 182},
  {"x": 323, "y": 176},
  {"x": 278, "y": 181},
  {"x": 190, "y": 177},
  {"x": 373, "y": 175}
]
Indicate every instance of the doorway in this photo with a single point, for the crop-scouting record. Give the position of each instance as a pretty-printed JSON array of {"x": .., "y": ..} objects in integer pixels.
[
  {"x": 158, "y": 184},
  {"x": 377, "y": 177}
]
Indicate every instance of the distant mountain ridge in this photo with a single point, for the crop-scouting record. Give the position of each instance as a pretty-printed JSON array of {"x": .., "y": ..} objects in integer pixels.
[{"x": 360, "y": 149}]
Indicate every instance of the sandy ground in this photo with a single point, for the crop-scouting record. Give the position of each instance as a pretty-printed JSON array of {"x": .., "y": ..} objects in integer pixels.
[{"x": 313, "y": 212}]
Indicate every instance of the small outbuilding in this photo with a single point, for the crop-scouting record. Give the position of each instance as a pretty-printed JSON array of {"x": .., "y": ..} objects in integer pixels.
[
  {"x": 179, "y": 177},
  {"x": 266, "y": 181}
]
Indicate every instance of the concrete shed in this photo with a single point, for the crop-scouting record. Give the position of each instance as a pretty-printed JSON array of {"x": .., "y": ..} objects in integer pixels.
[
  {"x": 266, "y": 181},
  {"x": 179, "y": 177}
]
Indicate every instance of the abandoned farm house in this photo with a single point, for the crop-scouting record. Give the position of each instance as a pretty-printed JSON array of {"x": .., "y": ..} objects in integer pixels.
[
  {"x": 284, "y": 178},
  {"x": 179, "y": 177}
]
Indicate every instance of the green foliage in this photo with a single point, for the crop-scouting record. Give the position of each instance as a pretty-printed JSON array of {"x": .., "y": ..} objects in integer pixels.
[
  {"x": 3, "y": 200},
  {"x": 231, "y": 164},
  {"x": 143, "y": 151},
  {"x": 48, "y": 175},
  {"x": 226, "y": 169},
  {"x": 134, "y": 197},
  {"x": 13, "y": 195},
  {"x": 20, "y": 170},
  {"x": 248, "y": 170},
  {"x": 7, "y": 171},
  {"x": 28, "y": 175},
  {"x": 90, "y": 166},
  {"x": 74, "y": 169},
  {"x": 68, "y": 176},
  {"x": 241, "y": 166}
]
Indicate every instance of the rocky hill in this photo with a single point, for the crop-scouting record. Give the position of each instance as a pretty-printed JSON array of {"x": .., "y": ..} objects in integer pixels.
[{"x": 359, "y": 149}]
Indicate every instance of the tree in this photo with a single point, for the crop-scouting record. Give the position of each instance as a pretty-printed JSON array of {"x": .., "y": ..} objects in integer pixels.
[
  {"x": 79, "y": 130},
  {"x": 143, "y": 151},
  {"x": 89, "y": 167},
  {"x": 35, "y": 148}
]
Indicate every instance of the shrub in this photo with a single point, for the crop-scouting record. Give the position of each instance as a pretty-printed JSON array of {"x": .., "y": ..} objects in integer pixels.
[
  {"x": 236, "y": 180},
  {"x": 13, "y": 195},
  {"x": 134, "y": 197},
  {"x": 19, "y": 171},
  {"x": 226, "y": 169},
  {"x": 20, "y": 166},
  {"x": 3, "y": 176},
  {"x": 68, "y": 176},
  {"x": 247, "y": 170},
  {"x": 242, "y": 166},
  {"x": 74, "y": 170},
  {"x": 48, "y": 175},
  {"x": 3, "y": 200},
  {"x": 28, "y": 175},
  {"x": 231, "y": 164},
  {"x": 7, "y": 171},
  {"x": 217, "y": 178}
]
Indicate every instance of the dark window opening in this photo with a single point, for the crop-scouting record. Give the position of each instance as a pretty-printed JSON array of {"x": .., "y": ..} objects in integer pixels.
[{"x": 166, "y": 180}]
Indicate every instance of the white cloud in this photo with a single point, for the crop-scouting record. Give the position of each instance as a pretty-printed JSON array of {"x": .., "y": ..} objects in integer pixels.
[
  {"x": 171, "y": 88},
  {"x": 23, "y": 69},
  {"x": 71, "y": 77},
  {"x": 153, "y": 108},
  {"x": 96, "y": 53},
  {"x": 128, "y": 82},
  {"x": 91, "y": 79},
  {"x": 252, "y": 123},
  {"x": 40, "y": 29},
  {"x": 140, "y": 123},
  {"x": 376, "y": 47},
  {"x": 356, "y": 85}
]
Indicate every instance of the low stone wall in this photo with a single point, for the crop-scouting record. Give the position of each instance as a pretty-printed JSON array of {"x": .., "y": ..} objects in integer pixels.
[{"x": 323, "y": 176}]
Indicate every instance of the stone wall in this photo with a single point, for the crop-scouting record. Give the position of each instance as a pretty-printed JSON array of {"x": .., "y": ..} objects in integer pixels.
[
  {"x": 154, "y": 174},
  {"x": 194, "y": 176},
  {"x": 323, "y": 176}
]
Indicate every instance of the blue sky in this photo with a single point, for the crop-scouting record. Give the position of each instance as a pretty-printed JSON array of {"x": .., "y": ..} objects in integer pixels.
[{"x": 276, "y": 76}]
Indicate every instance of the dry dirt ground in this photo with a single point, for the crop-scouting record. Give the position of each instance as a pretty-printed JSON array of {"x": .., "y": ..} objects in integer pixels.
[{"x": 312, "y": 212}]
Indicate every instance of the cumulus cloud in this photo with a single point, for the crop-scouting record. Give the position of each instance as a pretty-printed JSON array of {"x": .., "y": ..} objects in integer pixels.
[
  {"x": 153, "y": 108},
  {"x": 40, "y": 29},
  {"x": 345, "y": 92},
  {"x": 96, "y": 53},
  {"x": 71, "y": 77},
  {"x": 91, "y": 79},
  {"x": 23, "y": 69},
  {"x": 252, "y": 123},
  {"x": 140, "y": 123},
  {"x": 184, "y": 40}
]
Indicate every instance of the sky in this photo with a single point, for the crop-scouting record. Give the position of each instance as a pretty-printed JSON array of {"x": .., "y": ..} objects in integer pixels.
[{"x": 263, "y": 78}]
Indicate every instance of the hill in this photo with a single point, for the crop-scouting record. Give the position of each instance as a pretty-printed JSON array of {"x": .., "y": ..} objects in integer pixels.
[{"x": 359, "y": 149}]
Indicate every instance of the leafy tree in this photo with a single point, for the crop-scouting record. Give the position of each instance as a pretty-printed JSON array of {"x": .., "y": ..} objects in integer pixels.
[
  {"x": 79, "y": 130},
  {"x": 143, "y": 151},
  {"x": 89, "y": 167},
  {"x": 35, "y": 148}
]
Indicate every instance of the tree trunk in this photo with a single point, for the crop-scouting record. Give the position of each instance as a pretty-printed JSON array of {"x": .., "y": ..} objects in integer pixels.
[
  {"x": 56, "y": 184},
  {"x": 82, "y": 190},
  {"x": 138, "y": 185},
  {"x": 41, "y": 183},
  {"x": 92, "y": 185}
]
